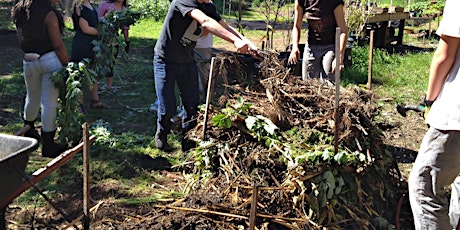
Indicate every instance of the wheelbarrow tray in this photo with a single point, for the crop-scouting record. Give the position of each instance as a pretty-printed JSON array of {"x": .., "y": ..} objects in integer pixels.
[{"x": 14, "y": 156}]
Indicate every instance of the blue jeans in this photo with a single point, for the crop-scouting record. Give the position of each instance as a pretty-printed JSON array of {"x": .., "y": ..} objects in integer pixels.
[
  {"x": 436, "y": 167},
  {"x": 41, "y": 91},
  {"x": 167, "y": 74}
]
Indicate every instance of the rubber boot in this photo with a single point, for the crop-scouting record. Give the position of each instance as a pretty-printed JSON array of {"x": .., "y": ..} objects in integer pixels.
[
  {"x": 49, "y": 148},
  {"x": 32, "y": 132}
]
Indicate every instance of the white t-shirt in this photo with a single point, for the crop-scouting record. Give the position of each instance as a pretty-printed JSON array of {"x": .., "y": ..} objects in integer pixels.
[
  {"x": 445, "y": 112},
  {"x": 204, "y": 42}
]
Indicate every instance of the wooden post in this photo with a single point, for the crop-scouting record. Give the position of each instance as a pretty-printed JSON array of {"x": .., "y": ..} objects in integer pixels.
[
  {"x": 337, "y": 89},
  {"x": 208, "y": 98},
  {"x": 371, "y": 56},
  {"x": 253, "y": 211},
  {"x": 86, "y": 175}
]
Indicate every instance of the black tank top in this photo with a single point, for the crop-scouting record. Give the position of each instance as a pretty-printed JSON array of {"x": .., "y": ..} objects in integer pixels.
[{"x": 33, "y": 33}]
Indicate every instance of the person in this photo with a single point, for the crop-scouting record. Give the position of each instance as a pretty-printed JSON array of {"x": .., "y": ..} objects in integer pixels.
[
  {"x": 323, "y": 17},
  {"x": 203, "y": 55},
  {"x": 438, "y": 161},
  {"x": 104, "y": 8},
  {"x": 85, "y": 21},
  {"x": 173, "y": 62},
  {"x": 40, "y": 27}
]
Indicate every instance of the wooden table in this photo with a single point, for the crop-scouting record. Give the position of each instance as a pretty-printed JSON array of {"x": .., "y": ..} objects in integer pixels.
[{"x": 384, "y": 33}]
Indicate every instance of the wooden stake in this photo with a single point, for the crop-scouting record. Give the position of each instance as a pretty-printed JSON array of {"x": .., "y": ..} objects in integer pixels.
[
  {"x": 253, "y": 211},
  {"x": 208, "y": 98},
  {"x": 337, "y": 89},
  {"x": 371, "y": 57},
  {"x": 86, "y": 175}
]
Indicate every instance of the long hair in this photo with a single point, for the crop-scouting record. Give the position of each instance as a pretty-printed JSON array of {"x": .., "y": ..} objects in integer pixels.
[
  {"x": 21, "y": 8},
  {"x": 21, "y": 12}
]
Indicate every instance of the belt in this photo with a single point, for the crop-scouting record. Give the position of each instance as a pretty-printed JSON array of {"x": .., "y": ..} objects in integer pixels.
[{"x": 31, "y": 57}]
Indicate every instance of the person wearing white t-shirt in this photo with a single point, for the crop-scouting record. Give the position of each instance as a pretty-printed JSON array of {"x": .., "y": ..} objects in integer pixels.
[
  {"x": 202, "y": 55},
  {"x": 438, "y": 161}
]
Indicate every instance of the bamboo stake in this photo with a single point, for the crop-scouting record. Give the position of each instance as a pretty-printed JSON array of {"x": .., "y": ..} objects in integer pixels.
[
  {"x": 371, "y": 57},
  {"x": 208, "y": 98},
  {"x": 86, "y": 175},
  {"x": 337, "y": 89}
]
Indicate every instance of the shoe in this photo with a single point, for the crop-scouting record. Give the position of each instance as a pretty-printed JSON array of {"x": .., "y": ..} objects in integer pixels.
[
  {"x": 154, "y": 107},
  {"x": 162, "y": 144},
  {"x": 96, "y": 104}
]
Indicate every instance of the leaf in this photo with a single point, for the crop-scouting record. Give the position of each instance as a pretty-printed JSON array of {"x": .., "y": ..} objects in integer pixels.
[{"x": 250, "y": 122}]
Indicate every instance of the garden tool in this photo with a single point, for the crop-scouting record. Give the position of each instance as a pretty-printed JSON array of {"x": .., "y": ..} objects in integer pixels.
[{"x": 402, "y": 109}]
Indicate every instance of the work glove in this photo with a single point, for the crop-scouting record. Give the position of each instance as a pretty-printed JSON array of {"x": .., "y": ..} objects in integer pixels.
[
  {"x": 127, "y": 46},
  {"x": 427, "y": 104}
]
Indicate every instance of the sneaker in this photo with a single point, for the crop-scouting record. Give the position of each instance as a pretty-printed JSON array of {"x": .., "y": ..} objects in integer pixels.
[{"x": 154, "y": 107}]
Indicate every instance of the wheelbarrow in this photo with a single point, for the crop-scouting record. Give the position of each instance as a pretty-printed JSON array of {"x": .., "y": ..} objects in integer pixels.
[{"x": 14, "y": 155}]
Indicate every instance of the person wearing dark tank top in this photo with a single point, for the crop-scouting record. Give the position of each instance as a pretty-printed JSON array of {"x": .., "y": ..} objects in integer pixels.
[
  {"x": 39, "y": 27},
  {"x": 323, "y": 17}
]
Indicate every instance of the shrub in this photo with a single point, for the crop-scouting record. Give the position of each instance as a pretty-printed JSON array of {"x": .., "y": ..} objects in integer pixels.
[{"x": 156, "y": 9}]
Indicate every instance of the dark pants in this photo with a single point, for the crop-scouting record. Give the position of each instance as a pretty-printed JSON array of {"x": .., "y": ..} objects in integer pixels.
[{"x": 167, "y": 74}]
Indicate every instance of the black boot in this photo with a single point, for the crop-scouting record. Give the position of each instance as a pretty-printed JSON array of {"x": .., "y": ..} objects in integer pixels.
[
  {"x": 49, "y": 148},
  {"x": 32, "y": 132},
  {"x": 161, "y": 141}
]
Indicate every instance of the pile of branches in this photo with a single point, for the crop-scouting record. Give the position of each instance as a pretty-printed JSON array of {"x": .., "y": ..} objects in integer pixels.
[{"x": 268, "y": 159}]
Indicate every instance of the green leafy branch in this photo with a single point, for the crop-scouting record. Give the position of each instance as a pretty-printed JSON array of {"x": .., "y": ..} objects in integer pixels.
[
  {"x": 104, "y": 46},
  {"x": 72, "y": 81}
]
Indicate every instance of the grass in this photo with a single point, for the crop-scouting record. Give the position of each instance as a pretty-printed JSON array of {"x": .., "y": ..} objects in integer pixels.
[{"x": 125, "y": 154}]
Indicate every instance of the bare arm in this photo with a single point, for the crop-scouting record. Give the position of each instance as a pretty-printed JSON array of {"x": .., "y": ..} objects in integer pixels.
[
  {"x": 296, "y": 33},
  {"x": 52, "y": 25},
  {"x": 217, "y": 29},
  {"x": 84, "y": 25},
  {"x": 340, "y": 19},
  {"x": 443, "y": 59}
]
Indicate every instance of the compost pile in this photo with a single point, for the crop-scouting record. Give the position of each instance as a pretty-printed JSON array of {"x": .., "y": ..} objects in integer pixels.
[{"x": 269, "y": 161}]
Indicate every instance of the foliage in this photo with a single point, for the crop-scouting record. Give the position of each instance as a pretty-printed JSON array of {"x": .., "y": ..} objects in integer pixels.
[
  {"x": 156, "y": 9},
  {"x": 355, "y": 16},
  {"x": 104, "y": 46},
  {"x": 231, "y": 112},
  {"x": 72, "y": 81},
  {"x": 427, "y": 8}
]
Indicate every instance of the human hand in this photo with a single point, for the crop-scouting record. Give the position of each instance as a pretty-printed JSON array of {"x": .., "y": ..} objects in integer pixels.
[
  {"x": 294, "y": 56},
  {"x": 127, "y": 46},
  {"x": 241, "y": 46},
  {"x": 341, "y": 66}
]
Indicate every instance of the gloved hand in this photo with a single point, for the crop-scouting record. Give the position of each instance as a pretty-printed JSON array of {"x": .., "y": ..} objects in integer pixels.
[
  {"x": 127, "y": 46},
  {"x": 427, "y": 104}
]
